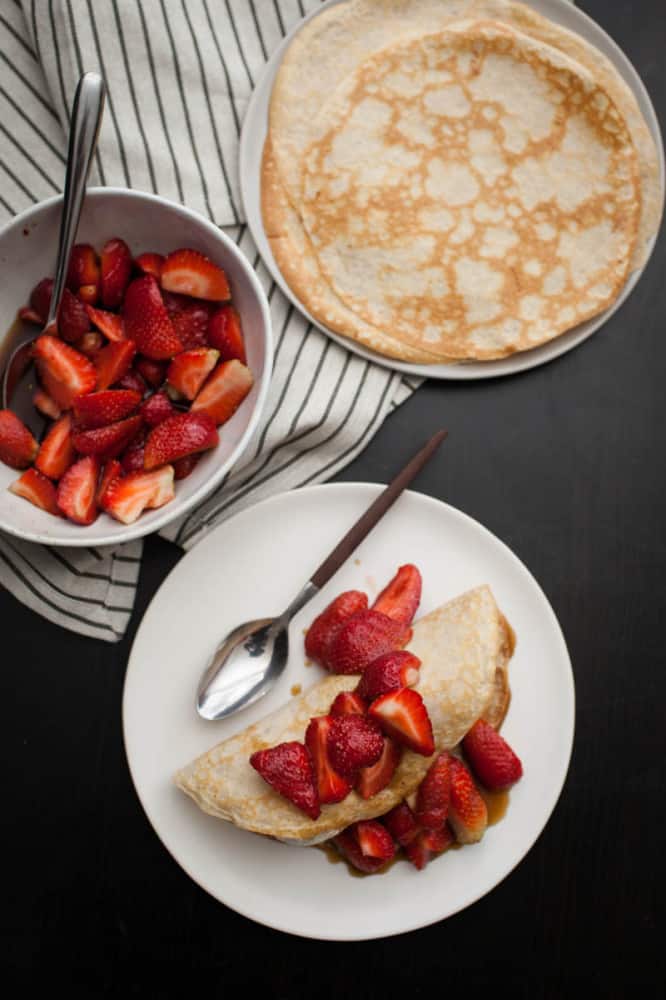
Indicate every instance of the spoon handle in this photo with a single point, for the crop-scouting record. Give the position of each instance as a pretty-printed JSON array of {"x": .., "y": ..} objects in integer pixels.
[{"x": 375, "y": 512}]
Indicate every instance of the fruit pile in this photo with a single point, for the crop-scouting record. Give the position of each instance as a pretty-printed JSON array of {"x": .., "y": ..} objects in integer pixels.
[{"x": 148, "y": 360}]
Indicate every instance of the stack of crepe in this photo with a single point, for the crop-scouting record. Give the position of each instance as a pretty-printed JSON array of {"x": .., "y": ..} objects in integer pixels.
[{"x": 451, "y": 180}]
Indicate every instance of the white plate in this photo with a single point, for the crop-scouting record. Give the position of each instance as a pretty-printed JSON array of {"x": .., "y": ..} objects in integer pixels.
[
  {"x": 252, "y": 566},
  {"x": 252, "y": 143}
]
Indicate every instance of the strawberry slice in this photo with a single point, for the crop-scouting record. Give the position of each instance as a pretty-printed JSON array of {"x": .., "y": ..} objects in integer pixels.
[
  {"x": 73, "y": 319},
  {"x": 111, "y": 324},
  {"x": 190, "y": 320},
  {"x": 150, "y": 263},
  {"x": 402, "y": 596},
  {"x": 56, "y": 452},
  {"x": 18, "y": 447},
  {"x": 112, "y": 470},
  {"x": 432, "y": 797},
  {"x": 288, "y": 769},
  {"x": 153, "y": 372},
  {"x": 468, "y": 814},
  {"x": 132, "y": 459},
  {"x": 190, "y": 273},
  {"x": 331, "y": 786},
  {"x": 326, "y": 625},
  {"x": 113, "y": 361},
  {"x": 491, "y": 758},
  {"x": 77, "y": 489},
  {"x": 90, "y": 343},
  {"x": 100, "y": 408},
  {"x": 362, "y": 638},
  {"x": 354, "y": 741},
  {"x": 189, "y": 370},
  {"x": 225, "y": 333},
  {"x": 116, "y": 270},
  {"x": 46, "y": 406},
  {"x": 348, "y": 847},
  {"x": 127, "y": 497},
  {"x": 156, "y": 409},
  {"x": 109, "y": 441},
  {"x": 224, "y": 391},
  {"x": 147, "y": 321},
  {"x": 40, "y": 298},
  {"x": 83, "y": 267},
  {"x": 373, "y": 779},
  {"x": 64, "y": 371},
  {"x": 427, "y": 844},
  {"x": 183, "y": 434},
  {"x": 389, "y": 672},
  {"x": 401, "y": 824},
  {"x": 403, "y": 716},
  {"x": 374, "y": 839},
  {"x": 36, "y": 488},
  {"x": 348, "y": 703}
]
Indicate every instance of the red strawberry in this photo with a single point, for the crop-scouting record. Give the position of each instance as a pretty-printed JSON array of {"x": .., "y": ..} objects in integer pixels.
[
  {"x": 432, "y": 797},
  {"x": 184, "y": 434},
  {"x": 147, "y": 321},
  {"x": 83, "y": 267},
  {"x": 374, "y": 839},
  {"x": 56, "y": 452},
  {"x": 109, "y": 441},
  {"x": 427, "y": 844},
  {"x": 64, "y": 371},
  {"x": 224, "y": 333},
  {"x": 373, "y": 779},
  {"x": 88, "y": 294},
  {"x": 189, "y": 370},
  {"x": 112, "y": 470},
  {"x": 132, "y": 380},
  {"x": 113, "y": 361},
  {"x": 362, "y": 638},
  {"x": 354, "y": 741},
  {"x": 18, "y": 447},
  {"x": 156, "y": 409},
  {"x": 491, "y": 758},
  {"x": 28, "y": 315},
  {"x": 348, "y": 703},
  {"x": 468, "y": 814},
  {"x": 288, "y": 769},
  {"x": 348, "y": 846},
  {"x": 116, "y": 272},
  {"x": 402, "y": 715},
  {"x": 389, "y": 672},
  {"x": 132, "y": 459},
  {"x": 401, "y": 597},
  {"x": 76, "y": 491},
  {"x": 401, "y": 824},
  {"x": 190, "y": 273},
  {"x": 326, "y": 625},
  {"x": 150, "y": 263},
  {"x": 40, "y": 298},
  {"x": 111, "y": 324},
  {"x": 47, "y": 406},
  {"x": 331, "y": 786},
  {"x": 90, "y": 343},
  {"x": 184, "y": 466},
  {"x": 190, "y": 323},
  {"x": 153, "y": 372},
  {"x": 224, "y": 391},
  {"x": 125, "y": 498},
  {"x": 73, "y": 319},
  {"x": 100, "y": 408},
  {"x": 36, "y": 488}
]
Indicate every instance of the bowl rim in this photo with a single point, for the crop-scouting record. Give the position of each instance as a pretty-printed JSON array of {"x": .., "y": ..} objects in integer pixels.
[{"x": 127, "y": 533}]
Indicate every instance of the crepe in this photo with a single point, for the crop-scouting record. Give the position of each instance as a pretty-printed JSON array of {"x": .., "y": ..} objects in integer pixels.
[{"x": 461, "y": 645}]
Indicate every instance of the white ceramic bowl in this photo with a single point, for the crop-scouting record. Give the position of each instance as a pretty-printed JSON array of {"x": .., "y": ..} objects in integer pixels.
[{"x": 28, "y": 247}]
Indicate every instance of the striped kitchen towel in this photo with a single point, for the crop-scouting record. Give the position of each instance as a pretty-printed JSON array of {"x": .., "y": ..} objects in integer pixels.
[{"x": 179, "y": 75}]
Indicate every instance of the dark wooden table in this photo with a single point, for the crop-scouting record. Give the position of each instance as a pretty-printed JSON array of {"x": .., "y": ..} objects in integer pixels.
[{"x": 566, "y": 465}]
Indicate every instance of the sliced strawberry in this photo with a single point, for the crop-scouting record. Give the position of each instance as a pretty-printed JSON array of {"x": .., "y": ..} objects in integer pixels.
[
  {"x": 46, "y": 406},
  {"x": 190, "y": 273},
  {"x": 111, "y": 324},
  {"x": 100, "y": 408},
  {"x": 374, "y": 839},
  {"x": 153, "y": 372},
  {"x": 362, "y": 638},
  {"x": 112, "y": 470},
  {"x": 468, "y": 814},
  {"x": 150, "y": 263},
  {"x": 83, "y": 267},
  {"x": 389, "y": 672},
  {"x": 401, "y": 824},
  {"x": 402, "y": 596},
  {"x": 184, "y": 466},
  {"x": 133, "y": 456},
  {"x": 18, "y": 447},
  {"x": 348, "y": 846},
  {"x": 403, "y": 716},
  {"x": 224, "y": 333},
  {"x": 432, "y": 797},
  {"x": 427, "y": 844},
  {"x": 64, "y": 371},
  {"x": 183, "y": 434},
  {"x": 373, "y": 779},
  {"x": 113, "y": 361},
  {"x": 77, "y": 489},
  {"x": 491, "y": 758},
  {"x": 348, "y": 703},
  {"x": 73, "y": 319},
  {"x": 88, "y": 294},
  {"x": 40, "y": 298},
  {"x": 189, "y": 370},
  {"x": 56, "y": 452},
  {"x": 156, "y": 409},
  {"x": 90, "y": 343},
  {"x": 326, "y": 625},
  {"x": 224, "y": 391},
  {"x": 28, "y": 315},
  {"x": 147, "y": 321},
  {"x": 331, "y": 786},
  {"x": 288, "y": 769},
  {"x": 116, "y": 271},
  {"x": 127, "y": 497},
  {"x": 190, "y": 322},
  {"x": 354, "y": 741},
  {"x": 36, "y": 488},
  {"x": 107, "y": 442},
  {"x": 132, "y": 380}
]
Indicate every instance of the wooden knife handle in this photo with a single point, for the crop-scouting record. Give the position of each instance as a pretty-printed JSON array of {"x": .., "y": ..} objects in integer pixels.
[{"x": 375, "y": 512}]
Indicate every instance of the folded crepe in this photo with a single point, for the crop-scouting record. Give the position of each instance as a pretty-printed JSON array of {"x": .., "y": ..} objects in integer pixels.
[{"x": 464, "y": 647}]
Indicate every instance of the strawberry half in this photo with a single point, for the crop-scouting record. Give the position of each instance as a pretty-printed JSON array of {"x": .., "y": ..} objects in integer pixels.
[
  {"x": 113, "y": 361},
  {"x": 73, "y": 319},
  {"x": 116, "y": 269},
  {"x": 224, "y": 333},
  {"x": 189, "y": 370},
  {"x": 156, "y": 409},
  {"x": 150, "y": 263},
  {"x": 100, "y": 408},
  {"x": 183, "y": 434},
  {"x": 83, "y": 267},
  {"x": 56, "y": 452},
  {"x": 46, "y": 406},
  {"x": 468, "y": 814},
  {"x": 112, "y": 470},
  {"x": 288, "y": 769},
  {"x": 354, "y": 741},
  {"x": 111, "y": 324},
  {"x": 147, "y": 322},
  {"x": 403, "y": 716},
  {"x": 432, "y": 797},
  {"x": 374, "y": 839},
  {"x": 402, "y": 596},
  {"x": 127, "y": 497},
  {"x": 77, "y": 490},
  {"x": 190, "y": 273},
  {"x": 348, "y": 847},
  {"x": 348, "y": 703},
  {"x": 373, "y": 779},
  {"x": 109, "y": 441},
  {"x": 428, "y": 844},
  {"x": 401, "y": 824},
  {"x": 18, "y": 447},
  {"x": 224, "y": 391},
  {"x": 362, "y": 638},
  {"x": 326, "y": 625},
  {"x": 331, "y": 786},
  {"x": 389, "y": 672},
  {"x": 491, "y": 758},
  {"x": 36, "y": 488},
  {"x": 65, "y": 372}
]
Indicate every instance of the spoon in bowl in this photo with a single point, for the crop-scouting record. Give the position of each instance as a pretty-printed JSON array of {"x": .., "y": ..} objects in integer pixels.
[{"x": 252, "y": 656}]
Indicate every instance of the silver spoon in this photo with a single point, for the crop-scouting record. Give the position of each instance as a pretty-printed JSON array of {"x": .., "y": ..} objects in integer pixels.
[
  {"x": 252, "y": 656},
  {"x": 84, "y": 127}
]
